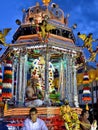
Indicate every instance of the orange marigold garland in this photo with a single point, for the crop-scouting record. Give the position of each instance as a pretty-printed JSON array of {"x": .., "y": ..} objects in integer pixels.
[
  {"x": 7, "y": 80},
  {"x": 0, "y": 83}
]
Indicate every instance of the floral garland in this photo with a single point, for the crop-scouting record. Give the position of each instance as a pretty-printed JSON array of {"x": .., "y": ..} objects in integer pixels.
[
  {"x": 70, "y": 117},
  {"x": 0, "y": 83},
  {"x": 7, "y": 81},
  {"x": 38, "y": 71}
]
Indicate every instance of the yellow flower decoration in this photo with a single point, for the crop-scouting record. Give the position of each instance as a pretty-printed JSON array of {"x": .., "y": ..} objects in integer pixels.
[{"x": 70, "y": 118}]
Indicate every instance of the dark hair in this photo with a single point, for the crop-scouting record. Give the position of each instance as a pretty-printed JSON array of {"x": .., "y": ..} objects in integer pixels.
[
  {"x": 84, "y": 111},
  {"x": 33, "y": 109}
]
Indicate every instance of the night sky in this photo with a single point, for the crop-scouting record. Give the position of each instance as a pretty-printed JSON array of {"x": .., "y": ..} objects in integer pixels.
[{"x": 82, "y": 12}]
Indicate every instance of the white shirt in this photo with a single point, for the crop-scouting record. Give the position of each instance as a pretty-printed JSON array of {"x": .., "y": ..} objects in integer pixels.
[
  {"x": 38, "y": 125},
  {"x": 93, "y": 127}
]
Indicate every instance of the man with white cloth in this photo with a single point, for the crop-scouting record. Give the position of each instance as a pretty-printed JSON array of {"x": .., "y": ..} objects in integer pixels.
[{"x": 34, "y": 123}]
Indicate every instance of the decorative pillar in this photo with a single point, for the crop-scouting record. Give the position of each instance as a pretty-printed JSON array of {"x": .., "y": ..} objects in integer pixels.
[
  {"x": 69, "y": 80},
  {"x": 67, "y": 83},
  {"x": 46, "y": 70},
  {"x": 13, "y": 68},
  {"x": 46, "y": 97},
  {"x": 14, "y": 79},
  {"x": 75, "y": 90},
  {"x": 20, "y": 77},
  {"x": 16, "y": 87},
  {"x": 24, "y": 83},
  {"x": 62, "y": 80}
]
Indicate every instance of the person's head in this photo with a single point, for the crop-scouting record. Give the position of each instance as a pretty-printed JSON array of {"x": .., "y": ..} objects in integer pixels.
[
  {"x": 29, "y": 92},
  {"x": 33, "y": 114},
  {"x": 85, "y": 114}
]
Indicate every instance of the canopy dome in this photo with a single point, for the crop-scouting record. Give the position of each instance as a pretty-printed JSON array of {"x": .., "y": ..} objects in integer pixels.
[{"x": 38, "y": 13}]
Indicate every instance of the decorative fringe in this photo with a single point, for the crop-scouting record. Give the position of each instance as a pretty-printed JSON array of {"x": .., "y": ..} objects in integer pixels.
[
  {"x": 5, "y": 106},
  {"x": 86, "y": 97},
  {"x": 87, "y": 108},
  {"x": 7, "y": 81}
]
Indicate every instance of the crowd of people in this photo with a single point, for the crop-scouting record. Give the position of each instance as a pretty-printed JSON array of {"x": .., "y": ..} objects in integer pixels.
[{"x": 32, "y": 122}]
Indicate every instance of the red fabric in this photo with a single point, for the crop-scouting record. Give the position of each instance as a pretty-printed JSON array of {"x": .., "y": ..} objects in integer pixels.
[
  {"x": 86, "y": 99},
  {"x": 52, "y": 122},
  {"x": 9, "y": 62},
  {"x": 6, "y": 95},
  {"x": 7, "y": 80},
  {"x": 86, "y": 88}
]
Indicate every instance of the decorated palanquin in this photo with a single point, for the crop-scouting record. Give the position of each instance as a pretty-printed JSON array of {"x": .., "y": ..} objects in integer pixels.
[{"x": 41, "y": 71}]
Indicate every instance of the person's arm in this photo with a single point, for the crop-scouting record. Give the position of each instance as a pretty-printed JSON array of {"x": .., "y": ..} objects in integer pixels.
[
  {"x": 44, "y": 127},
  {"x": 85, "y": 126},
  {"x": 26, "y": 126}
]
